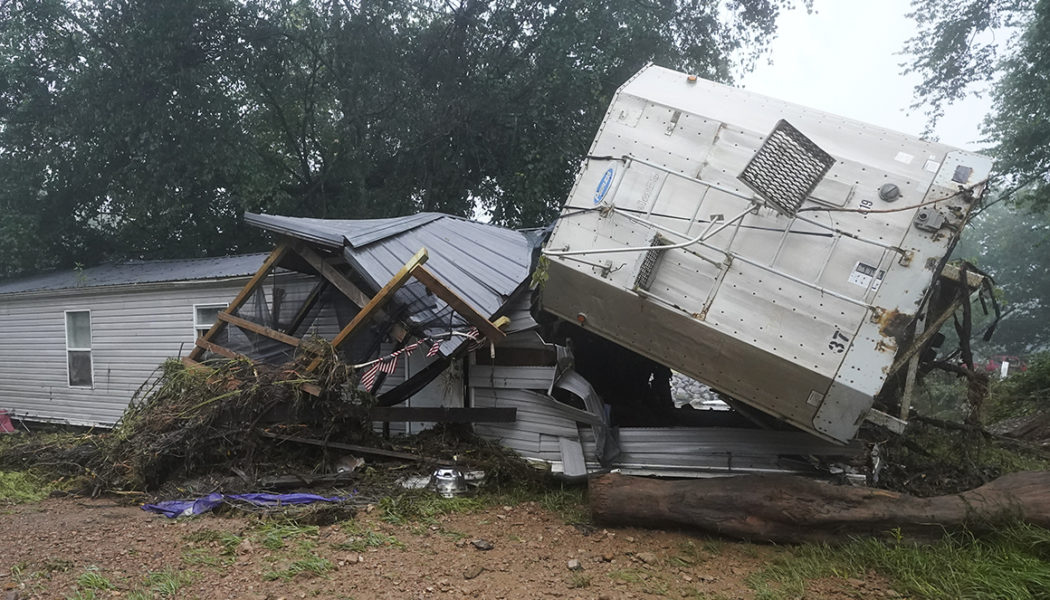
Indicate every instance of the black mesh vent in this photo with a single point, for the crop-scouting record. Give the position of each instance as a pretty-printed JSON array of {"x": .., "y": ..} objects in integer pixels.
[
  {"x": 647, "y": 270},
  {"x": 786, "y": 168}
]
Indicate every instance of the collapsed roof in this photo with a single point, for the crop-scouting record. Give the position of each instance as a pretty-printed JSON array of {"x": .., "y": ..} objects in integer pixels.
[{"x": 347, "y": 281}]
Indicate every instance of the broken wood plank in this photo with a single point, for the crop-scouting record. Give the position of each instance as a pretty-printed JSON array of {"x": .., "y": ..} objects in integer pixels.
[
  {"x": 260, "y": 329},
  {"x": 442, "y": 414},
  {"x": 377, "y": 301},
  {"x": 189, "y": 363},
  {"x": 304, "y": 480},
  {"x": 432, "y": 283},
  {"x": 954, "y": 273},
  {"x": 310, "y": 388},
  {"x": 264, "y": 270},
  {"x": 351, "y": 447},
  {"x": 930, "y": 331},
  {"x": 792, "y": 509},
  {"x": 217, "y": 349}
]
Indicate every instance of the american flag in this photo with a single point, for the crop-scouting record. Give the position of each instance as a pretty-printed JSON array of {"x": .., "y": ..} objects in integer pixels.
[
  {"x": 389, "y": 364},
  {"x": 435, "y": 346},
  {"x": 369, "y": 378}
]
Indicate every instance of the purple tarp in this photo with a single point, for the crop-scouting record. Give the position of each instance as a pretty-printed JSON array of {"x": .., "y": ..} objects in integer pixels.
[{"x": 180, "y": 508}]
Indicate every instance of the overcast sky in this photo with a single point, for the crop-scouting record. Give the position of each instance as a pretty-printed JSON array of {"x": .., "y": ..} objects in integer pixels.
[{"x": 844, "y": 58}]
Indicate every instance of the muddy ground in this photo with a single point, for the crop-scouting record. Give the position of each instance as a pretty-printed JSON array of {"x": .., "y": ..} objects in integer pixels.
[{"x": 102, "y": 548}]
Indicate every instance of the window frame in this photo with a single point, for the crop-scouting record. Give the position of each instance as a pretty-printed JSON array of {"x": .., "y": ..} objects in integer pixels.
[
  {"x": 89, "y": 350},
  {"x": 196, "y": 327}
]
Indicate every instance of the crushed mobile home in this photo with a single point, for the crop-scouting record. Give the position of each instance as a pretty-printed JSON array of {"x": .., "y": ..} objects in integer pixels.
[
  {"x": 445, "y": 333},
  {"x": 792, "y": 260}
]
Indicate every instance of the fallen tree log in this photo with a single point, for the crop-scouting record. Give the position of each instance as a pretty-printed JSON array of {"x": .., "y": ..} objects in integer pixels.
[{"x": 790, "y": 509}]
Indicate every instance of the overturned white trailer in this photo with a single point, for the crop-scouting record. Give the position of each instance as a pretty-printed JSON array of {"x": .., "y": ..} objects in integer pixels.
[{"x": 775, "y": 252}]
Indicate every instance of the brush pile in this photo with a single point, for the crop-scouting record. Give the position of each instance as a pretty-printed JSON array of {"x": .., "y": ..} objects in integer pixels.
[
  {"x": 196, "y": 430},
  {"x": 191, "y": 419}
]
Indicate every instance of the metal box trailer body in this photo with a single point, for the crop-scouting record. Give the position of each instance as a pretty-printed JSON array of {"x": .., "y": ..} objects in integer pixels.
[{"x": 799, "y": 313}]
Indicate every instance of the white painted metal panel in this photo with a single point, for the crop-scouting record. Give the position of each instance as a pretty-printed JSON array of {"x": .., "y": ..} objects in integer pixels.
[{"x": 798, "y": 316}]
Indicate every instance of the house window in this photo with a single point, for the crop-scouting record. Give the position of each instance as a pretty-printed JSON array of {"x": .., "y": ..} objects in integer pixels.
[
  {"x": 78, "y": 348},
  {"x": 204, "y": 316}
]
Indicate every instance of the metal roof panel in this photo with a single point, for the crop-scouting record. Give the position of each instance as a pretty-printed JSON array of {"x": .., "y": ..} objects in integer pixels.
[{"x": 138, "y": 272}]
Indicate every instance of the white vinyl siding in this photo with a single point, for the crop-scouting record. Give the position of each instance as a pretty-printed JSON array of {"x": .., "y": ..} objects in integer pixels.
[{"x": 132, "y": 333}]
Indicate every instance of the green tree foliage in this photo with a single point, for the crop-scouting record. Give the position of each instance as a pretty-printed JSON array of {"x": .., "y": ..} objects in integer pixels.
[
  {"x": 145, "y": 129},
  {"x": 1001, "y": 47},
  {"x": 1012, "y": 248}
]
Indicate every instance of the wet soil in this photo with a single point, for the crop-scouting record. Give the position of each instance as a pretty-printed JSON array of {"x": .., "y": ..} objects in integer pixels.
[{"x": 101, "y": 548}]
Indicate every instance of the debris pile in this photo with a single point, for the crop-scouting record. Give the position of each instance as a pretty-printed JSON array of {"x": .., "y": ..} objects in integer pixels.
[
  {"x": 189, "y": 418},
  {"x": 239, "y": 426}
]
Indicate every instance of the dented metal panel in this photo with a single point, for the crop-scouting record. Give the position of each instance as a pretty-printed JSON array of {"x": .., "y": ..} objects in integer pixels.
[{"x": 797, "y": 314}]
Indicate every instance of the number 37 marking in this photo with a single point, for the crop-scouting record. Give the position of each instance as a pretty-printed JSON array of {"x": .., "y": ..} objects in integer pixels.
[{"x": 838, "y": 342}]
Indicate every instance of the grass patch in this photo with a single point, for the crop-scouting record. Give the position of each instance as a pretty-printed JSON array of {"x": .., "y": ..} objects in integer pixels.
[
  {"x": 226, "y": 542},
  {"x": 91, "y": 579},
  {"x": 167, "y": 583},
  {"x": 423, "y": 506},
  {"x": 307, "y": 564},
  {"x": 272, "y": 535},
  {"x": 579, "y": 580},
  {"x": 203, "y": 557},
  {"x": 1013, "y": 564},
  {"x": 363, "y": 540},
  {"x": 627, "y": 575},
  {"x": 568, "y": 503},
  {"x": 17, "y": 487}
]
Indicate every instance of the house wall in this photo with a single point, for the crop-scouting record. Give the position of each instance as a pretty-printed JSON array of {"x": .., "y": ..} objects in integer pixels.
[{"x": 133, "y": 330}]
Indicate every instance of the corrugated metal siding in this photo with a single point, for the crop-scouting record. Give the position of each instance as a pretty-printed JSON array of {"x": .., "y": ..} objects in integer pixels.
[
  {"x": 131, "y": 334},
  {"x": 714, "y": 448},
  {"x": 538, "y": 426}
]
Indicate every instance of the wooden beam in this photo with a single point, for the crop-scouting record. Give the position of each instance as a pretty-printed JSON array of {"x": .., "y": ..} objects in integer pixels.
[
  {"x": 400, "y": 414},
  {"x": 377, "y": 301},
  {"x": 260, "y": 329},
  {"x": 954, "y": 273},
  {"x": 931, "y": 330},
  {"x": 268, "y": 264},
  {"x": 343, "y": 284},
  {"x": 351, "y": 447},
  {"x": 488, "y": 329},
  {"x": 330, "y": 273},
  {"x": 217, "y": 349}
]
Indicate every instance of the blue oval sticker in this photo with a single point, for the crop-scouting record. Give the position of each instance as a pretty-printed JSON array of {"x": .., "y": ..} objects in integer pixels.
[{"x": 603, "y": 187}]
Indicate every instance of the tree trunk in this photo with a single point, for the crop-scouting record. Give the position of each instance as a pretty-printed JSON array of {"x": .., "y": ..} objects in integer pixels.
[{"x": 785, "y": 508}]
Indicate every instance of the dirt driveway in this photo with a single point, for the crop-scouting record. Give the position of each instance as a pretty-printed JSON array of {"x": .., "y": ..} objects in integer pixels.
[{"x": 79, "y": 548}]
